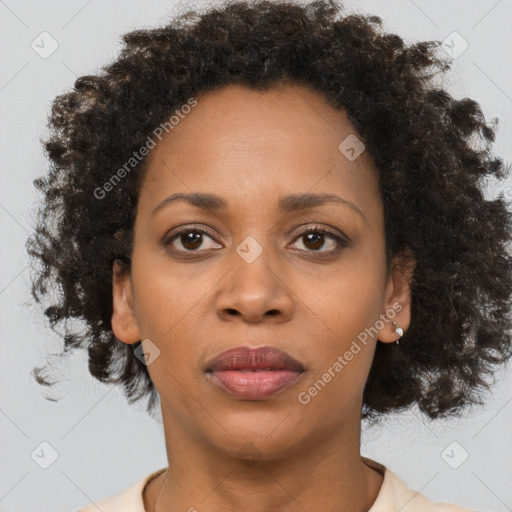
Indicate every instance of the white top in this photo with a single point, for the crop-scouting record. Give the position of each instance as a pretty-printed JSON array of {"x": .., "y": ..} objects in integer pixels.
[{"x": 394, "y": 496}]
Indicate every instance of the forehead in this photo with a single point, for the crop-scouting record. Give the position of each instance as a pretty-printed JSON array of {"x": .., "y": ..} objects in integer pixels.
[{"x": 246, "y": 143}]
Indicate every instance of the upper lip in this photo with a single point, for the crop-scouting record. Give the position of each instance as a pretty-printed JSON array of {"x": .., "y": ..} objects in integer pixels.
[{"x": 243, "y": 358}]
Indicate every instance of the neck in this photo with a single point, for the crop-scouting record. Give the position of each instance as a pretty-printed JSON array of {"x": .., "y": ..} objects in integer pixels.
[{"x": 327, "y": 475}]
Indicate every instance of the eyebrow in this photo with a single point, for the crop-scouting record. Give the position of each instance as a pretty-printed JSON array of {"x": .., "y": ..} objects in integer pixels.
[{"x": 288, "y": 204}]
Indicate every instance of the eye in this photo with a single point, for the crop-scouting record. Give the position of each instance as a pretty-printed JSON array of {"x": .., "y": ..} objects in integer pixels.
[
  {"x": 314, "y": 238},
  {"x": 191, "y": 239}
]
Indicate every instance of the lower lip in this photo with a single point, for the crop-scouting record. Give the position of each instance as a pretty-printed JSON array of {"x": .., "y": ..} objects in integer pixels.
[{"x": 254, "y": 385}]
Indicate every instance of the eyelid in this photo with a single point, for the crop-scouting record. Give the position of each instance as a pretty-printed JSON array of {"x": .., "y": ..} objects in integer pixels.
[
  {"x": 185, "y": 229},
  {"x": 341, "y": 243},
  {"x": 304, "y": 229},
  {"x": 341, "y": 239},
  {"x": 329, "y": 231}
]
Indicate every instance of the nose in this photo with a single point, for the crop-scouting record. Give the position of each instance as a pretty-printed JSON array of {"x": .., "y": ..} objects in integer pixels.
[{"x": 255, "y": 292}]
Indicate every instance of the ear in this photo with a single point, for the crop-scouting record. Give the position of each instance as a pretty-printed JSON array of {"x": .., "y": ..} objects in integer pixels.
[
  {"x": 123, "y": 320},
  {"x": 398, "y": 296}
]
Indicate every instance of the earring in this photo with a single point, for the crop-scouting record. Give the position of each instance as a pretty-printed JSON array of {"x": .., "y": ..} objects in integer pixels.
[{"x": 399, "y": 331}]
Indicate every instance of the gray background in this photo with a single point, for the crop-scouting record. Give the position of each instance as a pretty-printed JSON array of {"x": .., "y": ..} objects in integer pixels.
[{"x": 103, "y": 444}]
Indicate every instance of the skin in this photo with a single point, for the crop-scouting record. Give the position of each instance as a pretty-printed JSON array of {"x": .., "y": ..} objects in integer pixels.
[{"x": 252, "y": 148}]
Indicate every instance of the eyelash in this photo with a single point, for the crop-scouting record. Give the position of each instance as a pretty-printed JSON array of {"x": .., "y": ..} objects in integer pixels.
[{"x": 341, "y": 242}]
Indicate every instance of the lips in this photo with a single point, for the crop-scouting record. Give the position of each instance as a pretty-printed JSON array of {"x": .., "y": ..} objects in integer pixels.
[
  {"x": 253, "y": 374},
  {"x": 262, "y": 358}
]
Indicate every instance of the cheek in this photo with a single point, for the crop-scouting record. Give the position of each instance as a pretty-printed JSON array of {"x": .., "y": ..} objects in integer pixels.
[
  {"x": 168, "y": 313},
  {"x": 345, "y": 316},
  {"x": 169, "y": 307},
  {"x": 352, "y": 299},
  {"x": 344, "y": 350}
]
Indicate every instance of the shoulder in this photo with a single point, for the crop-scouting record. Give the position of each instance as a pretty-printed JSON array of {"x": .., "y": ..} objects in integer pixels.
[
  {"x": 450, "y": 507},
  {"x": 129, "y": 500},
  {"x": 396, "y": 496},
  {"x": 409, "y": 500}
]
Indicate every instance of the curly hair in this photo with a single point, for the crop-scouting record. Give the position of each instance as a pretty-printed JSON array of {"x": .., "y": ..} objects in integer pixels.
[{"x": 423, "y": 141}]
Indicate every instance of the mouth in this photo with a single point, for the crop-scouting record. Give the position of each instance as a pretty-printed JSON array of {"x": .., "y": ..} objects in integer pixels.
[{"x": 253, "y": 374}]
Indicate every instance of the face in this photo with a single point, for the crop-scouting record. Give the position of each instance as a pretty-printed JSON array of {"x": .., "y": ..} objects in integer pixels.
[{"x": 257, "y": 268}]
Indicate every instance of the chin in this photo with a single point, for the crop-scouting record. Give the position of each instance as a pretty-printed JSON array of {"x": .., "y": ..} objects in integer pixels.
[{"x": 260, "y": 435}]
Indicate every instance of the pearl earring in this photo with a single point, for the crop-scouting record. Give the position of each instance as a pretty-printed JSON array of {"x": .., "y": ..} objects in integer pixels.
[{"x": 399, "y": 331}]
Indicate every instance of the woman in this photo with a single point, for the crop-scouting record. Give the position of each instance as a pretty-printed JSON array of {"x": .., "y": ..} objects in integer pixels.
[{"x": 271, "y": 221}]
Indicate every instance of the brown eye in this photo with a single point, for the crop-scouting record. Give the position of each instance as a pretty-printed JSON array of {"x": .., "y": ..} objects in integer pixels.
[
  {"x": 190, "y": 239},
  {"x": 320, "y": 240},
  {"x": 314, "y": 240}
]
